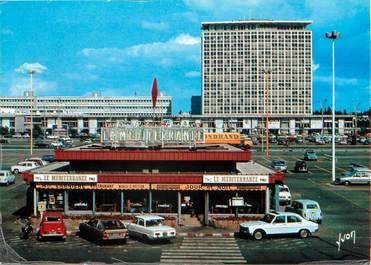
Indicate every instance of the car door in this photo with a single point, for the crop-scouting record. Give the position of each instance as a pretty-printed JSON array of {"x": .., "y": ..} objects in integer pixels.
[
  {"x": 293, "y": 224},
  {"x": 278, "y": 226}
]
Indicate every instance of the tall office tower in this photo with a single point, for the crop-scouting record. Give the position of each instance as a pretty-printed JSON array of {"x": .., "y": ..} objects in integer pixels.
[{"x": 243, "y": 60}]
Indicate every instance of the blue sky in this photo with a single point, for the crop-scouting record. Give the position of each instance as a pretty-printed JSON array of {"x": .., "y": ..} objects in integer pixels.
[{"x": 117, "y": 47}]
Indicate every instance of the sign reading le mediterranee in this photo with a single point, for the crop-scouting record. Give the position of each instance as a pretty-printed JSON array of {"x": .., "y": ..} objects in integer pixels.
[
  {"x": 84, "y": 178},
  {"x": 236, "y": 179}
]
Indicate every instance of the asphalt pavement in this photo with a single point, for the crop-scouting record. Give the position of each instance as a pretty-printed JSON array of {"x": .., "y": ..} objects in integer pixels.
[{"x": 345, "y": 209}]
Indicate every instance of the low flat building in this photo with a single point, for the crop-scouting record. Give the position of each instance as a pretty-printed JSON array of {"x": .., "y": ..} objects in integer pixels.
[{"x": 178, "y": 181}]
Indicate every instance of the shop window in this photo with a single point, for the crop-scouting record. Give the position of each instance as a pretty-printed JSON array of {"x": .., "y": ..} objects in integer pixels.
[
  {"x": 108, "y": 201},
  {"x": 54, "y": 199},
  {"x": 164, "y": 201},
  {"x": 80, "y": 200},
  {"x": 136, "y": 201}
]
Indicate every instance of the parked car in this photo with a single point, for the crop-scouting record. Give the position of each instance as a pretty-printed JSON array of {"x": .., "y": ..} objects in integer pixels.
[
  {"x": 56, "y": 144},
  {"x": 357, "y": 175},
  {"x": 38, "y": 160},
  {"x": 284, "y": 194},
  {"x": 103, "y": 230},
  {"x": 301, "y": 166},
  {"x": 24, "y": 166},
  {"x": 87, "y": 141},
  {"x": 151, "y": 227},
  {"x": 279, "y": 165},
  {"x": 278, "y": 224},
  {"x": 308, "y": 209},
  {"x": 310, "y": 155},
  {"x": 6, "y": 177},
  {"x": 41, "y": 144},
  {"x": 52, "y": 225},
  {"x": 48, "y": 158},
  {"x": 4, "y": 141}
]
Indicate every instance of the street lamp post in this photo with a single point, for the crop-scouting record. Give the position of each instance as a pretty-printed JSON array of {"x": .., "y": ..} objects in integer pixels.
[
  {"x": 31, "y": 72},
  {"x": 266, "y": 72},
  {"x": 333, "y": 36}
]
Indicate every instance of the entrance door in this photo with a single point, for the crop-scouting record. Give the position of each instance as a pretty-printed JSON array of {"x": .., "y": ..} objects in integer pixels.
[{"x": 193, "y": 208}]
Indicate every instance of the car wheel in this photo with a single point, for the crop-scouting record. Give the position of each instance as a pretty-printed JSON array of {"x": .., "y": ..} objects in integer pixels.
[
  {"x": 258, "y": 234},
  {"x": 319, "y": 221},
  {"x": 7, "y": 183},
  {"x": 304, "y": 233},
  {"x": 16, "y": 171},
  {"x": 347, "y": 183}
]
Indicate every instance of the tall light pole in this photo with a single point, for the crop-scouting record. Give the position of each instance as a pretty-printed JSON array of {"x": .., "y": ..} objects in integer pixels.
[
  {"x": 333, "y": 36},
  {"x": 31, "y": 72},
  {"x": 266, "y": 72}
]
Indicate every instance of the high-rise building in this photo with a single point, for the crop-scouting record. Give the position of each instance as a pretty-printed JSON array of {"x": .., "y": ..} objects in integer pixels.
[
  {"x": 243, "y": 61},
  {"x": 196, "y": 104}
]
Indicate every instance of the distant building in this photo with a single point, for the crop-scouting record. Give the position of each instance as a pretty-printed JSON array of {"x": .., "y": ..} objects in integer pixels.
[
  {"x": 196, "y": 105},
  {"x": 80, "y": 112},
  {"x": 235, "y": 56}
]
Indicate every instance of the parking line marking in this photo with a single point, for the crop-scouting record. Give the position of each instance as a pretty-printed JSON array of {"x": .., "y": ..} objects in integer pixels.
[{"x": 321, "y": 168}]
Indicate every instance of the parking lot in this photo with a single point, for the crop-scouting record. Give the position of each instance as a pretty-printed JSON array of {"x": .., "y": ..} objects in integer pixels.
[{"x": 345, "y": 209}]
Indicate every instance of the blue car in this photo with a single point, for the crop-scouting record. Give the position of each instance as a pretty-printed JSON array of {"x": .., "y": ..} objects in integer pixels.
[{"x": 310, "y": 155}]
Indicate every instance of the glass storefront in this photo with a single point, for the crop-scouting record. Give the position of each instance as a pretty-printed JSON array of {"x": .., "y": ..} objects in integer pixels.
[
  {"x": 54, "y": 199},
  {"x": 220, "y": 202},
  {"x": 136, "y": 201},
  {"x": 164, "y": 201},
  {"x": 80, "y": 200},
  {"x": 108, "y": 201}
]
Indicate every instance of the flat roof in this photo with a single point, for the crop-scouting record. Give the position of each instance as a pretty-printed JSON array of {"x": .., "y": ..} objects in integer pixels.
[
  {"x": 259, "y": 21},
  {"x": 253, "y": 167}
]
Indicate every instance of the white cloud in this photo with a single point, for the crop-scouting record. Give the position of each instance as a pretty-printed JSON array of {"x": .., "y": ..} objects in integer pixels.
[
  {"x": 20, "y": 84},
  {"x": 342, "y": 81},
  {"x": 154, "y": 25},
  {"x": 192, "y": 74},
  {"x": 35, "y": 67},
  {"x": 182, "y": 48},
  {"x": 315, "y": 67}
]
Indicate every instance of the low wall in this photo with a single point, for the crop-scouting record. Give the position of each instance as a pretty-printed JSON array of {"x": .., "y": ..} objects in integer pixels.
[{"x": 232, "y": 222}]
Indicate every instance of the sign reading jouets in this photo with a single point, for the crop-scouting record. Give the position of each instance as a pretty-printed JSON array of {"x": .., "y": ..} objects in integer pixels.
[
  {"x": 79, "y": 178},
  {"x": 236, "y": 179}
]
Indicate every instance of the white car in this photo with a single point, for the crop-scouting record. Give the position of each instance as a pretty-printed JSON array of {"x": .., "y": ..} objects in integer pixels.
[
  {"x": 357, "y": 175},
  {"x": 38, "y": 160},
  {"x": 278, "y": 223},
  {"x": 56, "y": 144},
  {"x": 24, "y": 166},
  {"x": 6, "y": 177},
  {"x": 284, "y": 194},
  {"x": 151, "y": 227},
  {"x": 309, "y": 209}
]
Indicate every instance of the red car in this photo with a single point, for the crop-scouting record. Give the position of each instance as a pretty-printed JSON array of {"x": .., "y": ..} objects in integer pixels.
[{"x": 52, "y": 225}]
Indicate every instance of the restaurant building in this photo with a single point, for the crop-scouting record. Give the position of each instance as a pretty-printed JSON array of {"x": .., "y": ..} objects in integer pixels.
[{"x": 170, "y": 180}]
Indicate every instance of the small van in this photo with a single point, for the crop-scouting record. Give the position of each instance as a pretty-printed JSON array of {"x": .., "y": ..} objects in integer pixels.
[{"x": 309, "y": 209}]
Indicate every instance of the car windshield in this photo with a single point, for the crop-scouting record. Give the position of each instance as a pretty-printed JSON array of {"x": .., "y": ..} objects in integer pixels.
[
  {"x": 284, "y": 189},
  {"x": 312, "y": 206},
  {"x": 53, "y": 219},
  {"x": 156, "y": 222},
  {"x": 310, "y": 152},
  {"x": 2, "y": 174},
  {"x": 112, "y": 224},
  {"x": 267, "y": 218}
]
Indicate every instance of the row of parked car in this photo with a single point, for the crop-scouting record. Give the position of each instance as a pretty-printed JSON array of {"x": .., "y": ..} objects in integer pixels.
[{"x": 146, "y": 227}]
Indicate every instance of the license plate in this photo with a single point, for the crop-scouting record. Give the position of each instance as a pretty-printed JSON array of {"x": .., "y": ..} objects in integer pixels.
[{"x": 165, "y": 234}]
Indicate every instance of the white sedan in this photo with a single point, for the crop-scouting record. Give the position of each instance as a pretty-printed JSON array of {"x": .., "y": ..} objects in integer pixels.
[
  {"x": 151, "y": 227},
  {"x": 24, "y": 166},
  {"x": 279, "y": 223}
]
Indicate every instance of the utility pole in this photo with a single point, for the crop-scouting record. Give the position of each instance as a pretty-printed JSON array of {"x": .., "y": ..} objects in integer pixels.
[
  {"x": 31, "y": 72},
  {"x": 266, "y": 114},
  {"x": 333, "y": 36}
]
